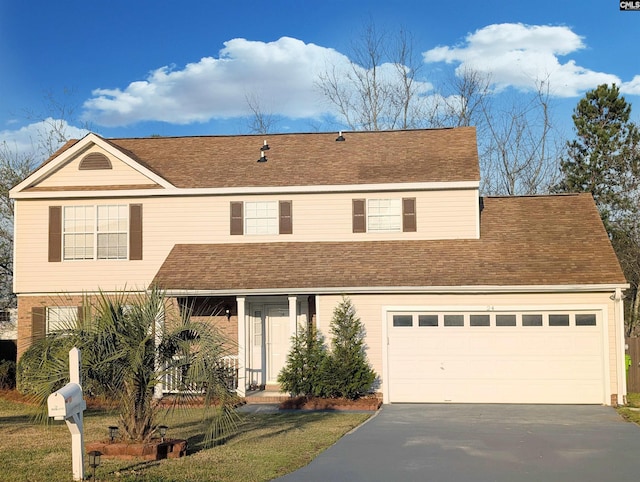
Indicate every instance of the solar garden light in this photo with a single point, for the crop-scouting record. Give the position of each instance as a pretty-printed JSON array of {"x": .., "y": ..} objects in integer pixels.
[
  {"x": 113, "y": 432},
  {"x": 163, "y": 431},
  {"x": 94, "y": 461}
]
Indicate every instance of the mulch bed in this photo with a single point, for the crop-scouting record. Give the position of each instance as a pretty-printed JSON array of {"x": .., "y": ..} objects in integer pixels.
[{"x": 313, "y": 403}]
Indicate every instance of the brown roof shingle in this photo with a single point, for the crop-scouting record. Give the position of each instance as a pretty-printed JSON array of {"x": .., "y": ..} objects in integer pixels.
[
  {"x": 540, "y": 240},
  {"x": 425, "y": 155}
]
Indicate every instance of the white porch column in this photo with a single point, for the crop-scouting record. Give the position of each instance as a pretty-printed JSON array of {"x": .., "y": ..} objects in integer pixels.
[
  {"x": 293, "y": 315},
  {"x": 242, "y": 347},
  {"x": 158, "y": 389}
]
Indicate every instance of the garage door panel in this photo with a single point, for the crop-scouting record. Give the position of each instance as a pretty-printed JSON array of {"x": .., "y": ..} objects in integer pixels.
[{"x": 538, "y": 364}]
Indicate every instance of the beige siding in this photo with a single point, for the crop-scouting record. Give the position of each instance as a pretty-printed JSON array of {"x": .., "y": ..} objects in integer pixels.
[
  {"x": 70, "y": 175},
  {"x": 169, "y": 221},
  {"x": 370, "y": 310}
]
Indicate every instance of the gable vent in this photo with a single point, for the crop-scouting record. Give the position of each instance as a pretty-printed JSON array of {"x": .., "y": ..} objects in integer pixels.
[{"x": 94, "y": 161}]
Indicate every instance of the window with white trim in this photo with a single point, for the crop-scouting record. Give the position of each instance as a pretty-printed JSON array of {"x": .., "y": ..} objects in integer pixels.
[
  {"x": 61, "y": 318},
  {"x": 95, "y": 232},
  {"x": 261, "y": 217},
  {"x": 384, "y": 215}
]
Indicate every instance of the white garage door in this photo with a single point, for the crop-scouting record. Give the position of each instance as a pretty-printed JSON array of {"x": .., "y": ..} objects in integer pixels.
[{"x": 534, "y": 357}]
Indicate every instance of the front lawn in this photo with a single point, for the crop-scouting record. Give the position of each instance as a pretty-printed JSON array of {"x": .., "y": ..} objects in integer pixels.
[
  {"x": 631, "y": 411},
  {"x": 265, "y": 447}
]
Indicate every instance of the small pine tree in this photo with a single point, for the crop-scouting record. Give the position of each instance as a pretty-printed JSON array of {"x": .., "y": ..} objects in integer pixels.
[
  {"x": 302, "y": 373},
  {"x": 347, "y": 372}
]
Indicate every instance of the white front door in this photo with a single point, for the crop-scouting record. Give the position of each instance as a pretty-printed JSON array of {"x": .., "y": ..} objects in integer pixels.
[{"x": 278, "y": 340}]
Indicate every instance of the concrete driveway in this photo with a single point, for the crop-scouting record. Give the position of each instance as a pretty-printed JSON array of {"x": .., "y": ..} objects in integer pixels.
[{"x": 476, "y": 443}]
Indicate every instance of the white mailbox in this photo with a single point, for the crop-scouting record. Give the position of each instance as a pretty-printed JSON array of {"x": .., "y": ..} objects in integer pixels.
[{"x": 66, "y": 402}]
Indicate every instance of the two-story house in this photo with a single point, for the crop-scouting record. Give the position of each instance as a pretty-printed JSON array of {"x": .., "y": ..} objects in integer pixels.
[{"x": 464, "y": 298}]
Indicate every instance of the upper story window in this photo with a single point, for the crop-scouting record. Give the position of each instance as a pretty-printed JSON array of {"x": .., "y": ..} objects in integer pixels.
[
  {"x": 384, "y": 215},
  {"x": 261, "y": 218},
  {"x": 95, "y": 232}
]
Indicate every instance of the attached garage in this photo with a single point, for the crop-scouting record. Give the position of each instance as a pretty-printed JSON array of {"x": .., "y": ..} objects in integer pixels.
[{"x": 497, "y": 357}]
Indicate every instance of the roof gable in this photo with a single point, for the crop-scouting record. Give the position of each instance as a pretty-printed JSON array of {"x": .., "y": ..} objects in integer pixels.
[{"x": 90, "y": 164}]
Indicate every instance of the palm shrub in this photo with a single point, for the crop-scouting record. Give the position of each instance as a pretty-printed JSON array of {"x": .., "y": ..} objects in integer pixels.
[
  {"x": 347, "y": 372},
  {"x": 303, "y": 371},
  {"x": 129, "y": 344}
]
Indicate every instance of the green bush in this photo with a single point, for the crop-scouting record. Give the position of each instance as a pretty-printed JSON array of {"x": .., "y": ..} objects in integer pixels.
[
  {"x": 303, "y": 372},
  {"x": 345, "y": 372},
  {"x": 7, "y": 374},
  {"x": 348, "y": 373}
]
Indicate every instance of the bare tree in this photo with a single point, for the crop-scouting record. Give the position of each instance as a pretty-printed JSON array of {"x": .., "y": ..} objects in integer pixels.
[
  {"x": 520, "y": 147},
  {"x": 378, "y": 89},
  {"x": 13, "y": 168},
  {"x": 261, "y": 122}
]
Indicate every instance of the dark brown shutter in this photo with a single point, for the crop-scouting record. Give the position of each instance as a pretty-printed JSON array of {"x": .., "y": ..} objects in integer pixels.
[
  {"x": 55, "y": 234},
  {"x": 409, "y": 214},
  {"x": 286, "y": 224},
  {"x": 38, "y": 322},
  {"x": 237, "y": 221},
  {"x": 359, "y": 218},
  {"x": 135, "y": 232}
]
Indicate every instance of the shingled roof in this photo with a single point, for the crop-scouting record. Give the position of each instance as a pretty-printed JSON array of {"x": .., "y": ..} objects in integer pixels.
[
  {"x": 421, "y": 155},
  {"x": 525, "y": 241}
]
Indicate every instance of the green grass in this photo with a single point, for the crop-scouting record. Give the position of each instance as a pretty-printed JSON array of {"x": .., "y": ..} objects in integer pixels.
[
  {"x": 265, "y": 446},
  {"x": 631, "y": 411}
]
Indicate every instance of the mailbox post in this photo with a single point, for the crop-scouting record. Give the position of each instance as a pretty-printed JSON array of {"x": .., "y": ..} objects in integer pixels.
[{"x": 67, "y": 404}]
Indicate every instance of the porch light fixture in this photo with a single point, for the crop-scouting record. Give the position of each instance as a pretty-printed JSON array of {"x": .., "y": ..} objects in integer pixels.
[
  {"x": 227, "y": 312},
  {"x": 113, "y": 432},
  {"x": 163, "y": 431},
  {"x": 340, "y": 137},
  {"x": 94, "y": 461},
  {"x": 263, "y": 158},
  {"x": 265, "y": 146}
]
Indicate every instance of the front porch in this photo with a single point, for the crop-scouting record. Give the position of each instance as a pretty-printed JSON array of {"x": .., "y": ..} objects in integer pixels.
[{"x": 259, "y": 329}]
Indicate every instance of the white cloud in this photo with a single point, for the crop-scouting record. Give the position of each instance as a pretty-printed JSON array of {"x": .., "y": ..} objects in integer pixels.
[
  {"x": 280, "y": 74},
  {"x": 35, "y": 140},
  {"x": 522, "y": 56},
  {"x": 632, "y": 87}
]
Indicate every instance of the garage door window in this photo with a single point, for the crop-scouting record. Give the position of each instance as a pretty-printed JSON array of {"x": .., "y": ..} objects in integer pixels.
[
  {"x": 402, "y": 320},
  {"x": 558, "y": 320},
  {"x": 453, "y": 320},
  {"x": 588, "y": 319},
  {"x": 531, "y": 320},
  {"x": 505, "y": 320},
  {"x": 479, "y": 320},
  {"x": 427, "y": 320}
]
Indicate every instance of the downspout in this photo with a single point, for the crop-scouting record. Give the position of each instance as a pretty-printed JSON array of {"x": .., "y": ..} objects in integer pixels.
[{"x": 620, "y": 351}]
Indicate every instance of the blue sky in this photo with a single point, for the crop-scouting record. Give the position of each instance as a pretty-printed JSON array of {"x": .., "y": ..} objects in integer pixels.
[{"x": 143, "y": 67}]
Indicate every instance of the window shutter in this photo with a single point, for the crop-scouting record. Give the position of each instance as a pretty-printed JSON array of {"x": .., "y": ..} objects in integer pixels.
[
  {"x": 237, "y": 221},
  {"x": 55, "y": 234},
  {"x": 286, "y": 223},
  {"x": 38, "y": 322},
  {"x": 359, "y": 219},
  {"x": 409, "y": 215},
  {"x": 135, "y": 232}
]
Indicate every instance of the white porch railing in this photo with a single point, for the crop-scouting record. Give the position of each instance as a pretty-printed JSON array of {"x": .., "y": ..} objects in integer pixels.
[{"x": 172, "y": 382}]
